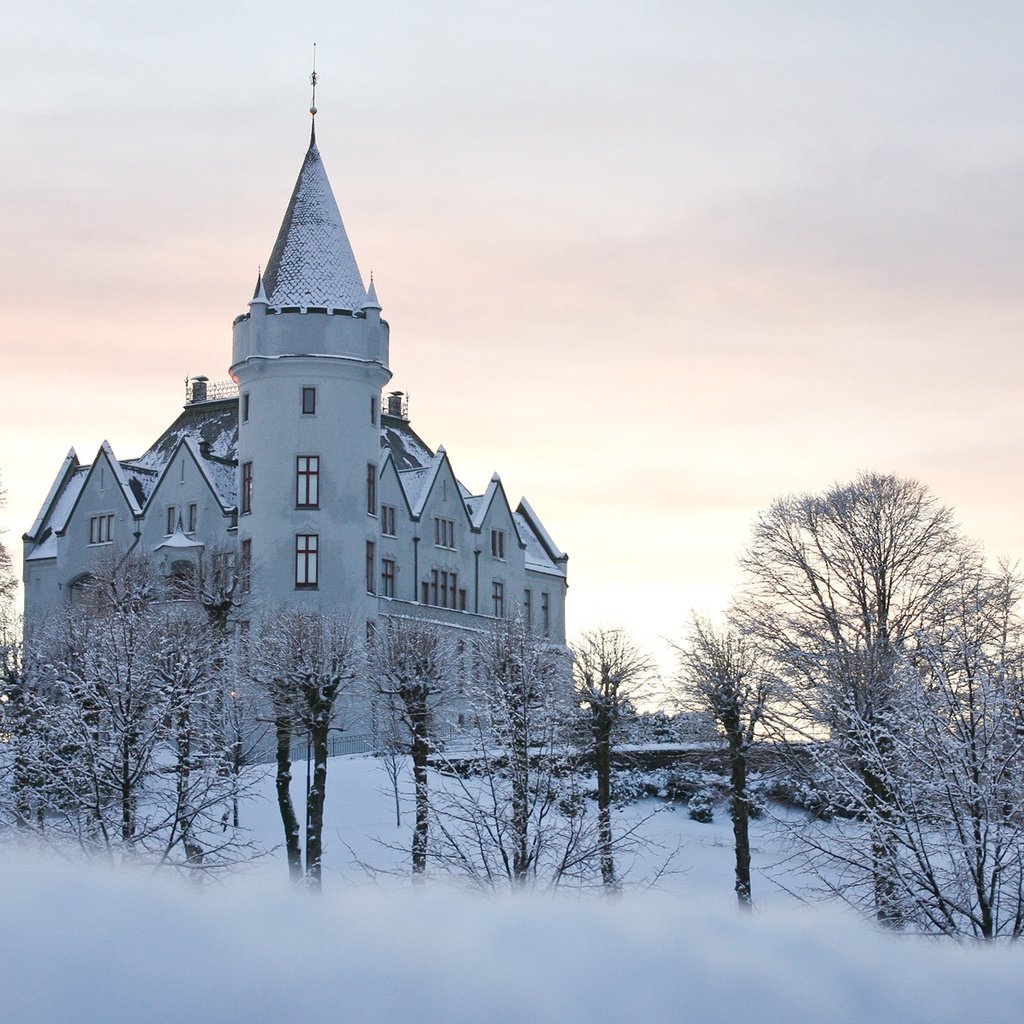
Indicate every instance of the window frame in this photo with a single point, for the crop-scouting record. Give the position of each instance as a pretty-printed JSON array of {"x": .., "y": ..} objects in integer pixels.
[
  {"x": 498, "y": 545},
  {"x": 498, "y": 597},
  {"x": 444, "y": 533},
  {"x": 371, "y": 567},
  {"x": 307, "y": 481},
  {"x": 387, "y": 577},
  {"x": 307, "y": 400},
  {"x": 101, "y": 529},
  {"x": 371, "y": 489},
  {"x": 307, "y": 571},
  {"x": 245, "y": 489},
  {"x": 387, "y": 521}
]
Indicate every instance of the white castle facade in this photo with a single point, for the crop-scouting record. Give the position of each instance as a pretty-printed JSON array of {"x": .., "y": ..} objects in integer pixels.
[{"x": 309, "y": 475}]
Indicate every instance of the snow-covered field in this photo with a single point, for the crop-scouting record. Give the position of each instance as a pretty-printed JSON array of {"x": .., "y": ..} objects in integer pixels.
[{"x": 96, "y": 944}]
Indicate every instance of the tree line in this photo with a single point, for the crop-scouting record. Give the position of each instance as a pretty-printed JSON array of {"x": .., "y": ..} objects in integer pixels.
[{"x": 870, "y": 647}]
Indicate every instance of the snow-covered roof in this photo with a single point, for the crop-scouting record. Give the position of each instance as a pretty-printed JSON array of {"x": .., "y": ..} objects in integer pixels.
[
  {"x": 537, "y": 557},
  {"x": 312, "y": 263},
  {"x": 211, "y": 431}
]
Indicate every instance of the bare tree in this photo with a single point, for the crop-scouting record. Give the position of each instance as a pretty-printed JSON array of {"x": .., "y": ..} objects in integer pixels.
[
  {"x": 720, "y": 672},
  {"x": 608, "y": 670},
  {"x": 8, "y": 581},
  {"x": 307, "y": 659},
  {"x": 117, "y": 745},
  {"x": 411, "y": 665},
  {"x": 513, "y": 811},
  {"x": 838, "y": 587}
]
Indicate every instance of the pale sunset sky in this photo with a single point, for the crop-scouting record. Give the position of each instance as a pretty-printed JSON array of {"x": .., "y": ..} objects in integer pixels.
[{"x": 655, "y": 263}]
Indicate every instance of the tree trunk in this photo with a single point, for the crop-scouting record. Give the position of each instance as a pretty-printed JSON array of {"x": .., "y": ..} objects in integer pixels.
[
  {"x": 420, "y": 752},
  {"x": 603, "y": 761},
  {"x": 740, "y": 809},
  {"x": 315, "y": 801},
  {"x": 283, "y": 730}
]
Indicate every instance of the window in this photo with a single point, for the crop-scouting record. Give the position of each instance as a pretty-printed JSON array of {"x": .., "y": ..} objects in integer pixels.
[
  {"x": 246, "y": 495},
  {"x": 371, "y": 567},
  {"x": 387, "y": 520},
  {"x": 193, "y": 517},
  {"x": 498, "y": 596},
  {"x": 371, "y": 489},
  {"x": 172, "y": 519},
  {"x": 387, "y": 577},
  {"x": 309, "y": 401},
  {"x": 444, "y": 533},
  {"x": 373, "y": 410},
  {"x": 443, "y": 590},
  {"x": 307, "y": 481},
  {"x": 528, "y": 607},
  {"x": 245, "y": 569},
  {"x": 545, "y": 619},
  {"x": 498, "y": 544},
  {"x": 245, "y": 408},
  {"x": 101, "y": 529},
  {"x": 307, "y": 561},
  {"x": 181, "y": 471}
]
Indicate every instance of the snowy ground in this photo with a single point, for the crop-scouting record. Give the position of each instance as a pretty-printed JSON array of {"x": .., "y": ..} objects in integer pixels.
[{"x": 94, "y": 944}]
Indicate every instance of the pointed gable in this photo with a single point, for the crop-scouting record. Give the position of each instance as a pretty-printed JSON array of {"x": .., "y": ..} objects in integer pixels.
[{"x": 312, "y": 263}]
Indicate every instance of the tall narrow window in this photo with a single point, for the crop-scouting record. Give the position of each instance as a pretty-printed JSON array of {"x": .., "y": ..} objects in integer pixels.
[
  {"x": 309, "y": 401},
  {"x": 172, "y": 519},
  {"x": 528, "y": 607},
  {"x": 387, "y": 520},
  {"x": 245, "y": 408},
  {"x": 545, "y": 614},
  {"x": 307, "y": 561},
  {"x": 246, "y": 495},
  {"x": 307, "y": 481},
  {"x": 371, "y": 489},
  {"x": 498, "y": 596},
  {"x": 444, "y": 533},
  {"x": 373, "y": 410},
  {"x": 498, "y": 544},
  {"x": 387, "y": 577},
  {"x": 101, "y": 529},
  {"x": 193, "y": 517},
  {"x": 371, "y": 567},
  {"x": 245, "y": 569}
]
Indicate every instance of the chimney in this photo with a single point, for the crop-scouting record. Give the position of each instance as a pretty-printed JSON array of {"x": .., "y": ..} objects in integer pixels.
[{"x": 197, "y": 389}]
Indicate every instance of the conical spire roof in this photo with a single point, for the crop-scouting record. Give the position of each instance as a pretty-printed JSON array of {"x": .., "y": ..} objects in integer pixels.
[{"x": 312, "y": 263}]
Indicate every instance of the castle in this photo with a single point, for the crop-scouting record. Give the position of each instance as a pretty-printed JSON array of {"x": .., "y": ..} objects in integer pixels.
[{"x": 303, "y": 471}]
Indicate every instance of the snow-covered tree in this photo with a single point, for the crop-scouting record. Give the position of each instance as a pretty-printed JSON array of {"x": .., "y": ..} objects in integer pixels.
[
  {"x": 608, "y": 671},
  {"x": 8, "y": 581},
  {"x": 305, "y": 661},
  {"x": 721, "y": 673},
  {"x": 116, "y": 741},
  {"x": 513, "y": 812},
  {"x": 838, "y": 587},
  {"x": 410, "y": 677}
]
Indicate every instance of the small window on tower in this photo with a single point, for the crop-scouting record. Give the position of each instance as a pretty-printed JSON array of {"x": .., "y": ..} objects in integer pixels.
[
  {"x": 245, "y": 408},
  {"x": 309, "y": 401},
  {"x": 373, "y": 410}
]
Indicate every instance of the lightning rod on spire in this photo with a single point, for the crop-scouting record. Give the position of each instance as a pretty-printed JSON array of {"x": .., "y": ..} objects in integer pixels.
[{"x": 313, "y": 81}]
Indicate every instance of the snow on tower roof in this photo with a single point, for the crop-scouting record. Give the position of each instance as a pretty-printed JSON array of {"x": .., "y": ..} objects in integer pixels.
[{"x": 312, "y": 263}]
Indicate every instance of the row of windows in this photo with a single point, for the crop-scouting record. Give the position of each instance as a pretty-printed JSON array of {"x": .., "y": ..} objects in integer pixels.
[
  {"x": 307, "y": 496},
  {"x": 307, "y": 405},
  {"x": 307, "y": 486},
  {"x": 101, "y": 529}
]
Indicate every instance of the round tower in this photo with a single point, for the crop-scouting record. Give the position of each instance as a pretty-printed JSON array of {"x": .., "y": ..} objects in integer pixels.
[{"x": 310, "y": 359}]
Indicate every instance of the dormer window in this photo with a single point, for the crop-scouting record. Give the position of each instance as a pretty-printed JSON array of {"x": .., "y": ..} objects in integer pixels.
[{"x": 309, "y": 401}]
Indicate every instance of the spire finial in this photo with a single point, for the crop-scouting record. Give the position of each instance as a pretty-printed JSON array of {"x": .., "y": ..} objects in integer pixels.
[{"x": 312, "y": 82}]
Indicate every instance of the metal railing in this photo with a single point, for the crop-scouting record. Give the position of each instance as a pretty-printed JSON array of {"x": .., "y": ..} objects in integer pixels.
[{"x": 201, "y": 389}]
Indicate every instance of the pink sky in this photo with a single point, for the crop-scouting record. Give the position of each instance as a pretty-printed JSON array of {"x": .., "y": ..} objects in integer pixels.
[{"x": 656, "y": 266}]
